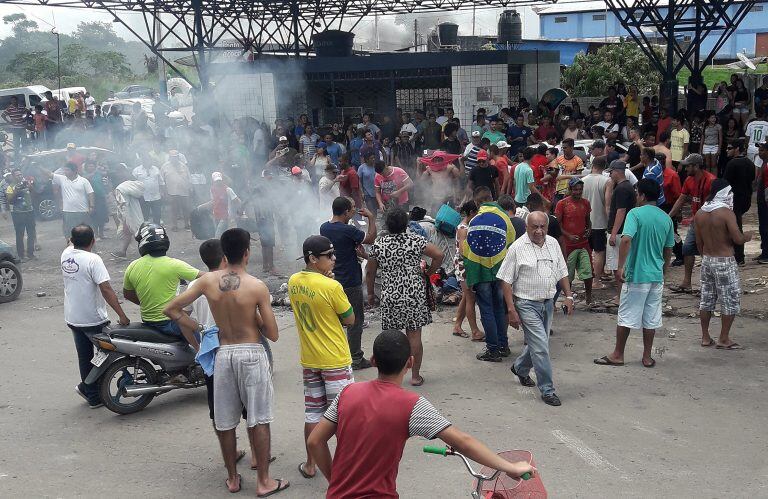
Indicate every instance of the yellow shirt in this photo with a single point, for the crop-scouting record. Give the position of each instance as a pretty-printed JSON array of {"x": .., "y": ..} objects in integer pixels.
[
  {"x": 631, "y": 107},
  {"x": 318, "y": 302}
]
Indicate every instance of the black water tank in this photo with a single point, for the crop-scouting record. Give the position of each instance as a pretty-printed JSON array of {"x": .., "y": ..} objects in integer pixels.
[
  {"x": 510, "y": 27},
  {"x": 333, "y": 43},
  {"x": 449, "y": 33}
]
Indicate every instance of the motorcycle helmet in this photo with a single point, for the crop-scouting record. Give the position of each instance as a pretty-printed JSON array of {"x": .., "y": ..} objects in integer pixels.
[{"x": 152, "y": 237}]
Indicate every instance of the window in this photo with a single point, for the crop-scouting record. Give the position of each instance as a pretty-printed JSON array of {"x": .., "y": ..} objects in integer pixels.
[
  {"x": 5, "y": 101},
  {"x": 598, "y": 17},
  {"x": 34, "y": 100},
  {"x": 756, "y": 8},
  {"x": 561, "y": 19}
]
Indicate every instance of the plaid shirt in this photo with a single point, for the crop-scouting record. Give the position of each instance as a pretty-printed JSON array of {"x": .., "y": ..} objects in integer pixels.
[{"x": 533, "y": 270}]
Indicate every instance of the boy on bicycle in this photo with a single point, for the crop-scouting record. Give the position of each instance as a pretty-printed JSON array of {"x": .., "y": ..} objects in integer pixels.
[{"x": 372, "y": 421}]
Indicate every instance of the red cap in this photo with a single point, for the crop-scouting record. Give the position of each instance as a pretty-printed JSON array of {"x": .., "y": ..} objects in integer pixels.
[
  {"x": 481, "y": 154},
  {"x": 296, "y": 170}
]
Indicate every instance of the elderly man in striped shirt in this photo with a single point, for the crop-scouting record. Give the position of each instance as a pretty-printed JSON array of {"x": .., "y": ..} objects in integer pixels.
[{"x": 530, "y": 272}]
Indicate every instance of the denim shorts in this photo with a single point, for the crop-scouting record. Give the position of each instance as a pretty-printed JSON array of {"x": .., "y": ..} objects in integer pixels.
[
  {"x": 689, "y": 245},
  {"x": 640, "y": 305},
  {"x": 167, "y": 327}
]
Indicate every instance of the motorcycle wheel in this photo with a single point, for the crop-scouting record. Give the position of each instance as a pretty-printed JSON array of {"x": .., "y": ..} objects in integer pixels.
[{"x": 126, "y": 372}]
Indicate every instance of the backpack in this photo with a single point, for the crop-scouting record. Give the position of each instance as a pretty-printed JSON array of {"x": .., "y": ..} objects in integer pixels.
[
  {"x": 447, "y": 220},
  {"x": 201, "y": 223}
]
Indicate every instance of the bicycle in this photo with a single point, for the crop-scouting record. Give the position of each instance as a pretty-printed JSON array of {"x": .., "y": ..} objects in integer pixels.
[{"x": 499, "y": 486}]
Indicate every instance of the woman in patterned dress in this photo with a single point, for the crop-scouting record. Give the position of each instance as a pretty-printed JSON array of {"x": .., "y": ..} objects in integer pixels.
[{"x": 397, "y": 255}]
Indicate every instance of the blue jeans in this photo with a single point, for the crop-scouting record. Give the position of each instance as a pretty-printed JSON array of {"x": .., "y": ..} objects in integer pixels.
[
  {"x": 167, "y": 327},
  {"x": 84, "y": 349},
  {"x": 493, "y": 314},
  {"x": 762, "y": 220},
  {"x": 536, "y": 318}
]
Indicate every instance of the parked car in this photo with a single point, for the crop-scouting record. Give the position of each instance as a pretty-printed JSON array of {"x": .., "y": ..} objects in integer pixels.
[
  {"x": 126, "y": 110},
  {"x": 34, "y": 166},
  {"x": 10, "y": 275},
  {"x": 26, "y": 96},
  {"x": 135, "y": 91}
]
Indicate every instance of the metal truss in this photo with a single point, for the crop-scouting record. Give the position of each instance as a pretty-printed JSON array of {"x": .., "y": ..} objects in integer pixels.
[
  {"x": 672, "y": 21},
  {"x": 205, "y": 27}
]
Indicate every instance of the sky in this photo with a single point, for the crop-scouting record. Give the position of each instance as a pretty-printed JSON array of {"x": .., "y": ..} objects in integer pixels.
[{"x": 66, "y": 20}]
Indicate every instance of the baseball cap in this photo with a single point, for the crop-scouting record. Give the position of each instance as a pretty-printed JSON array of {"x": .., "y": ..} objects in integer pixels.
[
  {"x": 502, "y": 144},
  {"x": 217, "y": 176},
  {"x": 693, "y": 159},
  {"x": 616, "y": 164},
  {"x": 296, "y": 170},
  {"x": 283, "y": 138},
  {"x": 481, "y": 154},
  {"x": 476, "y": 133},
  {"x": 575, "y": 180},
  {"x": 71, "y": 145},
  {"x": 316, "y": 245}
]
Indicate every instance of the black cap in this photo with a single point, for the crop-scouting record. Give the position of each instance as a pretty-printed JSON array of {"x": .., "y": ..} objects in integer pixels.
[
  {"x": 616, "y": 164},
  {"x": 316, "y": 245}
]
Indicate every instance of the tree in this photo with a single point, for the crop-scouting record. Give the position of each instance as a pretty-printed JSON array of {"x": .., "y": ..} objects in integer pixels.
[
  {"x": 20, "y": 24},
  {"x": 97, "y": 35},
  {"x": 110, "y": 64},
  {"x": 32, "y": 66},
  {"x": 591, "y": 74}
]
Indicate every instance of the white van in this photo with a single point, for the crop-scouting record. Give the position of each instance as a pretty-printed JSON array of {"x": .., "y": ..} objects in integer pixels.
[
  {"x": 63, "y": 94},
  {"x": 28, "y": 97}
]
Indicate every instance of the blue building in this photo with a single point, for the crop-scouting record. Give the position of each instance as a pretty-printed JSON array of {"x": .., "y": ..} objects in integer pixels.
[{"x": 591, "y": 20}]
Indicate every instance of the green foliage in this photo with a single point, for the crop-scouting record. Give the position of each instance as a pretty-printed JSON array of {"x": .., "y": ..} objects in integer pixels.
[
  {"x": 591, "y": 74},
  {"x": 30, "y": 66}
]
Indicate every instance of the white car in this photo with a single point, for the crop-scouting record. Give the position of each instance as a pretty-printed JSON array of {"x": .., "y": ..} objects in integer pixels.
[{"x": 126, "y": 110}]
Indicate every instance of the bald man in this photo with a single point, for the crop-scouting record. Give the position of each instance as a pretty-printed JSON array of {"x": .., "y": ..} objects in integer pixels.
[{"x": 530, "y": 273}]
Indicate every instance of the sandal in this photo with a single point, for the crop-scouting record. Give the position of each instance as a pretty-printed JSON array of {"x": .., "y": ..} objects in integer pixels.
[
  {"x": 239, "y": 484},
  {"x": 461, "y": 333},
  {"x": 732, "y": 346},
  {"x": 304, "y": 473},
  {"x": 652, "y": 364},
  {"x": 279, "y": 488},
  {"x": 418, "y": 383},
  {"x": 706, "y": 345},
  {"x": 605, "y": 361},
  {"x": 675, "y": 288},
  {"x": 476, "y": 337}
]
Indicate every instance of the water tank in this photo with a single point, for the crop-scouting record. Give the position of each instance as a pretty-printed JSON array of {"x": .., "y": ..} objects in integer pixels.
[
  {"x": 449, "y": 33},
  {"x": 510, "y": 27},
  {"x": 333, "y": 43}
]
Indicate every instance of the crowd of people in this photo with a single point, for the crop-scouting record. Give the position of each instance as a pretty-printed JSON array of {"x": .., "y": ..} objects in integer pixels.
[{"x": 501, "y": 216}]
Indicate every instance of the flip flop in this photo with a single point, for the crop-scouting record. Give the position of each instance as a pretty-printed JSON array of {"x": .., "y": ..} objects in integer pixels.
[
  {"x": 706, "y": 345},
  {"x": 605, "y": 361},
  {"x": 652, "y": 364},
  {"x": 271, "y": 460},
  {"x": 304, "y": 473},
  {"x": 279, "y": 488},
  {"x": 732, "y": 346},
  {"x": 239, "y": 484},
  {"x": 460, "y": 333},
  {"x": 419, "y": 383},
  {"x": 605, "y": 278},
  {"x": 675, "y": 288},
  {"x": 482, "y": 338}
]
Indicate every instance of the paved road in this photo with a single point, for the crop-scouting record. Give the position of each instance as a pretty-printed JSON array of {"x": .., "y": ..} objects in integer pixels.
[{"x": 692, "y": 427}]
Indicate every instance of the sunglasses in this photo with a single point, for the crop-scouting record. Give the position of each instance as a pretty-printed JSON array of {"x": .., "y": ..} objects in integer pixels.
[{"x": 329, "y": 254}]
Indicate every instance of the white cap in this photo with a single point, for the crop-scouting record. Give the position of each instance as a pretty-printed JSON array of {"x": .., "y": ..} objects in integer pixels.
[
  {"x": 502, "y": 144},
  {"x": 476, "y": 133},
  {"x": 71, "y": 145},
  {"x": 216, "y": 176},
  {"x": 283, "y": 138}
]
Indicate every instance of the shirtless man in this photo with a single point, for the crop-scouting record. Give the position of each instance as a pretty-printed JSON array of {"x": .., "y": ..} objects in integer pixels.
[
  {"x": 663, "y": 147},
  {"x": 716, "y": 234},
  {"x": 237, "y": 300}
]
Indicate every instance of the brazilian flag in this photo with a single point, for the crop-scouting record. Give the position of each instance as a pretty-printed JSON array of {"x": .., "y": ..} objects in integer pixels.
[{"x": 490, "y": 234}]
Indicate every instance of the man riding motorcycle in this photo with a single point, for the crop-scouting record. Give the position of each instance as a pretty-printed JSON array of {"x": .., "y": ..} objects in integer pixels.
[{"x": 152, "y": 280}]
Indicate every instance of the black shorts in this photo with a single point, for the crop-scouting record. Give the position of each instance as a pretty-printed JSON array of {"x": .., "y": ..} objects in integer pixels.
[{"x": 597, "y": 240}]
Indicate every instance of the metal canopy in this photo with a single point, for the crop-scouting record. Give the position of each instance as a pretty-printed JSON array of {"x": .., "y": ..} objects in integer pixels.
[
  {"x": 261, "y": 26},
  {"x": 680, "y": 25}
]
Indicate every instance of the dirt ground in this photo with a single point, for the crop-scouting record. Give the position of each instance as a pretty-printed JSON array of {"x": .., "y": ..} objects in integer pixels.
[{"x": 692, "y": 427}]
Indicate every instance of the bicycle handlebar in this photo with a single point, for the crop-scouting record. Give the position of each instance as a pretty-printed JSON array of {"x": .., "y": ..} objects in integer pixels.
[{"x": 447, "y": 451}]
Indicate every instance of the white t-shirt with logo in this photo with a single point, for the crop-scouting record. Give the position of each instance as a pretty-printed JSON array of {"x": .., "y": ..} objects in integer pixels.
[
  {"x": 74, "y": 193},
  {"x": 83, "y": 271},
  {"x": 756, "y": 133},
  {"x": 90, "y": 103}
]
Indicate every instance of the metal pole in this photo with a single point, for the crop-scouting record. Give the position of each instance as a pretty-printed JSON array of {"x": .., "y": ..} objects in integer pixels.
[
  {"x": 669, "y": 87},
  {"x": 202, "y": 70},
  {"x": 376, "y": 29},
  {"x": 58, "y": 59},
  {"x": 473, "y": 19},
  {"x": 415, "y": 35},
  {"x": 162, "y": 81}
]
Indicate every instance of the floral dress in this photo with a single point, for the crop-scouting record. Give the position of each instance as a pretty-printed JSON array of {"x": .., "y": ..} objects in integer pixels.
[{"x": 403, "y": 286}]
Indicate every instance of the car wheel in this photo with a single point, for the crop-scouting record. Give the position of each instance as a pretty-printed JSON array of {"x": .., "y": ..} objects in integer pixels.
[
  {"x": 10, "y": 281},
  {"x": 47, "y": 209}
]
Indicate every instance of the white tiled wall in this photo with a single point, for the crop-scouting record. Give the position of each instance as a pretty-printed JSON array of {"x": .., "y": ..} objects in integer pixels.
[
  {"x": 466, "y": 80},
  {"x": 247, "y": 95}
]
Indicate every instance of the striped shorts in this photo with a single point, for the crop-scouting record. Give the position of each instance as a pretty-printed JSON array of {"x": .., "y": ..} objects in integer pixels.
[{"x": 320, "y": 388}]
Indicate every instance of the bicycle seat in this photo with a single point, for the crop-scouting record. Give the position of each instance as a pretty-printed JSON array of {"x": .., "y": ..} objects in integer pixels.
[{"x": 138, "y": 331}]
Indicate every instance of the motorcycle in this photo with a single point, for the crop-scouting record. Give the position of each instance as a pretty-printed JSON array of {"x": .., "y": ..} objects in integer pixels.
[{"x": 135, "y": 363}]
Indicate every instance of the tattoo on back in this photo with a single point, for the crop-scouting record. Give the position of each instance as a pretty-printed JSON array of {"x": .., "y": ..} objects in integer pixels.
[{"x": 229, "y": 282}]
